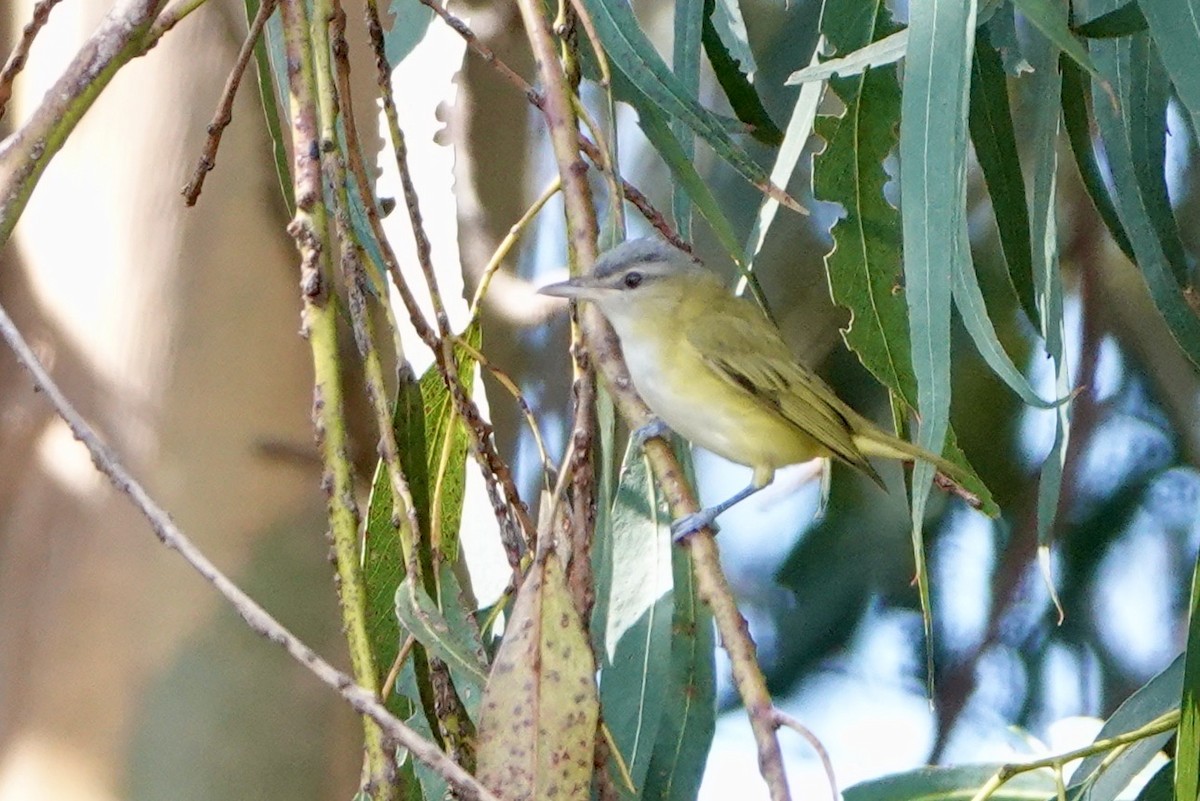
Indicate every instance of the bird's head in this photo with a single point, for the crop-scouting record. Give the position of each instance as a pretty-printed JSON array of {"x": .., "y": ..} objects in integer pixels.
[{"x": 636, "y": 280}]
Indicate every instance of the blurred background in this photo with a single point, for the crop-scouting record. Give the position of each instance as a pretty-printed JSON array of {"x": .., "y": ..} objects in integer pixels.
[{"x": 175, "y": 331}]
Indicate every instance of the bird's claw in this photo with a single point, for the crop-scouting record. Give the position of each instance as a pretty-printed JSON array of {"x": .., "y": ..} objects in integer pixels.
[
  {"x": 652, "y": 429},
  {"x": 688, "y": 525}
]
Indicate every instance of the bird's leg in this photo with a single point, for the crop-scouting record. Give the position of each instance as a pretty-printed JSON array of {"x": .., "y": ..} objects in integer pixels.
[
  {"x": 690, "y": 524},
  {"x": 655, "y": 428}
]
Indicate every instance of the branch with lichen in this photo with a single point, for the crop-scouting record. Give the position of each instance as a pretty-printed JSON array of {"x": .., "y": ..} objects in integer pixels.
[{"x": 312, "y": 129}]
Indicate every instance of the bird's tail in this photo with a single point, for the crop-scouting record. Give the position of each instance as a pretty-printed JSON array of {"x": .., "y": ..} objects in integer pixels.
[{"x": 952, "y": 478}]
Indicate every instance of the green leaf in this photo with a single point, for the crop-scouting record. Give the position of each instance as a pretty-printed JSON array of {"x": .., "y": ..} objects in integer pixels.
[
  {"x": 430, "y": 782},
  {"x": 728, "y": 24},
  {"x": 636, "y": 657},
  {"x": 685, "y": 60},
  {"x": 1131, "y": 143},
  {"x": 1123, "y": 21},
  {"x": 410, "y": 22},
  {"x": 1043, "y": 128},
  {"x": 541, "y": 690},
  {"x": 996, "y": 149},
  {"x": 266, "y": 96},
  {"x": 684, "y": 172},
  {"x": 933, "y": 159},
  {"x": 1002, "y": 33},
  {"x": 795, "y": 138},
  {"x": 1159, "y": 787},
  {"x": 689, "y": 696},
  {"x": 878, "y": 53},
  {"x": 1175, "y": 25},
  {"x": 933, "y": 187},
  {"x": 1047, "y": 17},
  {"x": 1106, "y": 774},
  {"x": 383, "y": 563},
  {"x": 864, "y": 267},
  {"x": 733, "y": 68},
  {"x": 959, "y": 784},
  {"x": 1077, "y": 120},
  {"x": 631, "y": 55},
  {"x": 1187, "y": 748},
  {"x": 448, "y": 637}
]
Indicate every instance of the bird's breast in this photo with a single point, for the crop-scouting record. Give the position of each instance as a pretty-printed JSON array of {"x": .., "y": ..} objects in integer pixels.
[{"x": 682, "y": 389}]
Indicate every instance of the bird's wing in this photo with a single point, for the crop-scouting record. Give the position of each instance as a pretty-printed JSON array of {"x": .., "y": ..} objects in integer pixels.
[{"x": 750, "y": 355}]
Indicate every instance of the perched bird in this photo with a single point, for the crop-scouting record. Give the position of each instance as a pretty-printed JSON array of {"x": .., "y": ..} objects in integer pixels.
[{"x": 718, "y": 373}]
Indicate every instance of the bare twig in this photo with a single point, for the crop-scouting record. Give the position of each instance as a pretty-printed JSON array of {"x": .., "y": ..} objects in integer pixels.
[
  {"x": 120, "y": 37},
  {"x": 516, "y": 527},
  {"x": 257, "y": 618},
  {"x": 655, "y": 217},
  {"x": 224, "y": 113},
  {"x": 16, "y": 59},
  {"x": 784, "y": 719}
]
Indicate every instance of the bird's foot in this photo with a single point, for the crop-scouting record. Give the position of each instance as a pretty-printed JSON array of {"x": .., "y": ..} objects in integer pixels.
[
  {"x": 655, "y": 428},
  {"x": 688, "y": 525}
]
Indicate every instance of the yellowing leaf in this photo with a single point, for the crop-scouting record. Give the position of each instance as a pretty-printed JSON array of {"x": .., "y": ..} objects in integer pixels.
[{"x": 537, "y": 728}]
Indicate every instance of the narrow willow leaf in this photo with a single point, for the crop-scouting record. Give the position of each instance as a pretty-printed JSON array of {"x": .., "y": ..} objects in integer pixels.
[
  {"x": 447, "y": 447},
  {"x": 1187, "y": 748},
  {"x": 540, "y": 710},
  {"x": 684, "y": 172},
  {"x": 968, "y": 299},
  {"x": 447, "y": 638},
  {"x": 1159, "y": 788},
  {"x": 685, "y": 60},
  {"x": 799, "y": 128},
  {"x": 1046, "y": 16},
  {"x": 1105, "y": 774},
  {"x": 383, "y": 564},
  {"x": 631, "y": 54},
  {"x": 429, "y": 783},
  {"x": 726, "y": 17},
  {"x": 689, "y": 698},
  {"x": 953, "y": 784},
  {"x": 887, "y": 50},
  {"x": 995, "y": 143},
  {"x": 933, "y": 164},
  {"x": 933, "y": 187},
  {"x": 1002, "y": 33},
  {"x": 266, "y": 96},
  {"x": 1175, "y": 26},
  {"x": 410, "y": 21},
  {"x": 1123, "y": 21},
  {"x": 637, "y": 638},
  {"x": 865, "y": 266},
  {"x": 1077, "y": 120},
  {"x": 733, "y": 74},
  {"x": 1043, "y": 127},
  {"x": 1132, "y": 62}
]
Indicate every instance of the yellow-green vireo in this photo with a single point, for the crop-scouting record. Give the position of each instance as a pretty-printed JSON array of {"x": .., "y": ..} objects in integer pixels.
[{"x": 718, "y": 373}]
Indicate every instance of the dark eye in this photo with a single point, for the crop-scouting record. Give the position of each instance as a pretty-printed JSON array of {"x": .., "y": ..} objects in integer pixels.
[{"x": 632, "y": 280}]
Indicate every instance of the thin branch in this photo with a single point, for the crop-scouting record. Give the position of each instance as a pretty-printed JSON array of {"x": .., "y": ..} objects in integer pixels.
[
  {"x": 311, "y": 127},
  {"x": 224, "y": 113},
  {"x": 120, "y": 37},
  {"x": 257, "y": 618},
  {"x": 655, "y": 217},
  {"x": 16, "y": 59},
  {"x": 516, "y": 527},
  {"x": 783, "y": 719}
]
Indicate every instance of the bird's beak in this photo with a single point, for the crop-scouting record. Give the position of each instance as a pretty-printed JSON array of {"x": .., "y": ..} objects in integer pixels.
[{"x": 583, "y": 287}]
